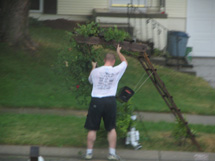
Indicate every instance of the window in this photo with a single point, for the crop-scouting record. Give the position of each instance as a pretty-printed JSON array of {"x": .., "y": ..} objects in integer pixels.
[
  {"x": 44, "y": 6},
  {"x": 36, "y": 6},
  {"x": 124, "y": 3},
  {"x": 50, "y": 6}
]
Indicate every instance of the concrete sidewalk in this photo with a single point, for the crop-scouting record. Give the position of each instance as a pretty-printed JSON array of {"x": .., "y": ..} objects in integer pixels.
[
  {"x": 169, "y": 117},
  {"x": 21, "y": 153},
  {"x": 144, "y": 116}
]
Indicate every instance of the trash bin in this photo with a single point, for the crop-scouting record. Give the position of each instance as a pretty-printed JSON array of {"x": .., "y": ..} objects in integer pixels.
[{"x": 177, "y": 43}]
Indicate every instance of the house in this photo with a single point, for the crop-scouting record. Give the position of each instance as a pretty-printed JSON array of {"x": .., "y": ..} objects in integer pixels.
[{"x": 149, "y": 19}]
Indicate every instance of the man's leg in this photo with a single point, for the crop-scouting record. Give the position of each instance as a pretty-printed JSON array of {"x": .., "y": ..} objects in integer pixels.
[
  {"x": 112, "y": 136},
  {"x": 91, "y": 137}
]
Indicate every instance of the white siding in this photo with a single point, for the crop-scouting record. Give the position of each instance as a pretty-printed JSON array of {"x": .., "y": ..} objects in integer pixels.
[
  {"x": 201, "y": 27},
  {"x": 178, "y": 24},
  {"x": 153, "y": 3},
  {"x": 43, "y": 17},
  {"x": 176, "y": 8},
  {"x": 80, "y": 7}
]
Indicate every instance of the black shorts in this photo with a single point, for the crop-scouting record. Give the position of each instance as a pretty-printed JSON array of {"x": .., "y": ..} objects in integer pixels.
[{"x": 101, "y": 108}]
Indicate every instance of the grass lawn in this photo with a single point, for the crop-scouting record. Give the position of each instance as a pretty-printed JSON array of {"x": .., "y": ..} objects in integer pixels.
[
  {"x": 29, "y": 80},
  {"x": 53, "y": 130}
]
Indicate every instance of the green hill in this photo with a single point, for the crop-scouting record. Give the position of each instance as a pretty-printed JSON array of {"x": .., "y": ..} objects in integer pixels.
[{"x": 30, "y": 80}]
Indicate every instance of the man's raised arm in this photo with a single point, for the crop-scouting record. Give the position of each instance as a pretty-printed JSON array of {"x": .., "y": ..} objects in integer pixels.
[
  {"x": 93, "y": 67},
  {"x": 121, "y": 57}
]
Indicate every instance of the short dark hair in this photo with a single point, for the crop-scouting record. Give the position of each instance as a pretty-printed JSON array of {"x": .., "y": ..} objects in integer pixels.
[{"x": 110, "y": 57}]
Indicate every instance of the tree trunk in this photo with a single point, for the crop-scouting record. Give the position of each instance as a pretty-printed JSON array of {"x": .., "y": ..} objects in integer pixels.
[{"x": 14, "y": 23}]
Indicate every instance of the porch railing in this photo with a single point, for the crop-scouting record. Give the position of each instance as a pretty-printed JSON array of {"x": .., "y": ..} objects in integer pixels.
[
  {"x": 147, "y": 29},
  {"x": 144, "y": 5}
]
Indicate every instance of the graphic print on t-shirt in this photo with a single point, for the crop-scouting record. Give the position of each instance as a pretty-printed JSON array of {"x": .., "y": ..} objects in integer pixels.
[{"x": 106, "y": 80}]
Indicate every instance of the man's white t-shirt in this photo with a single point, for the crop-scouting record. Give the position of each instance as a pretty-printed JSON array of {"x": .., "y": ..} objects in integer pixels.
[{"x": 105, "y": 80}]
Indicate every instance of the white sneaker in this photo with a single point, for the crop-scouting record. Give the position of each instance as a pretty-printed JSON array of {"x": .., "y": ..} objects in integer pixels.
[
  {"x": 113, "y": 157},
  {"x": 88, "y": 156}
]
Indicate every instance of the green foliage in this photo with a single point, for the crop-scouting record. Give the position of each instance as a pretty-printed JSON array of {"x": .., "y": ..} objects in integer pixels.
[
  {"x": 124, "y": 113},
  {"x": 75, "y": 61},
  {"x": 180, "y": 134},
  {"x": 76, "y": 65},
  {"x": 158, "y": 52},
  {"x": 115, "y": 34},
  {"x": 34, "y": 22},
  {"x": 91, "y": 29}
]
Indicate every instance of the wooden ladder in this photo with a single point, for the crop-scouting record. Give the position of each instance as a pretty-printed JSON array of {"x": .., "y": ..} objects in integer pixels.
[{"x": 160, "y": 86}]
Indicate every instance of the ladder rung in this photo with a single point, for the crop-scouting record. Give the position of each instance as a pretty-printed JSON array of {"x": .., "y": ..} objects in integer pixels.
[
  {"x": 164, "y": 95},
  {"x": 170, "y": 97},
  {"x": 148, "y": 69},
  {"x": 151, "y": 69}
]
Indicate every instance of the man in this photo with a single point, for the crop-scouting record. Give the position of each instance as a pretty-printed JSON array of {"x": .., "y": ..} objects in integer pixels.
[{"x": 105, "y": 80}]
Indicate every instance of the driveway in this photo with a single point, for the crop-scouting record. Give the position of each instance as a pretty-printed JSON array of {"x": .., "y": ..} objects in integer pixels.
[{"x": 205, "y": 68}]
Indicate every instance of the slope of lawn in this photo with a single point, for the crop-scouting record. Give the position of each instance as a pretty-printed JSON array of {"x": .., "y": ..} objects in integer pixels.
[
  {"x": 30, "y": 80},
  {"x": 43, "y": 129}
]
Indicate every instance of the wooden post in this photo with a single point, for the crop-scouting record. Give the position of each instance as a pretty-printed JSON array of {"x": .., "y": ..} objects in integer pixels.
[
  {"x": 126, "y": 45},
  {"x": 34, "y": 153}
]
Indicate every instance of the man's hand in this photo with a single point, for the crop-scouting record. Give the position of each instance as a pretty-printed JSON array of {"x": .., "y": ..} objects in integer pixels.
[
  {"x": 118, "y": 48},
  {"x": 121, "y": 57},
  {"x": 93, "y": 67},
  {"x": 94, "y": 64}
]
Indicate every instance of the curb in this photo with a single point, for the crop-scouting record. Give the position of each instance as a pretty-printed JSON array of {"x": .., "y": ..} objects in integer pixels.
[{"x": 100, "y": 154}]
